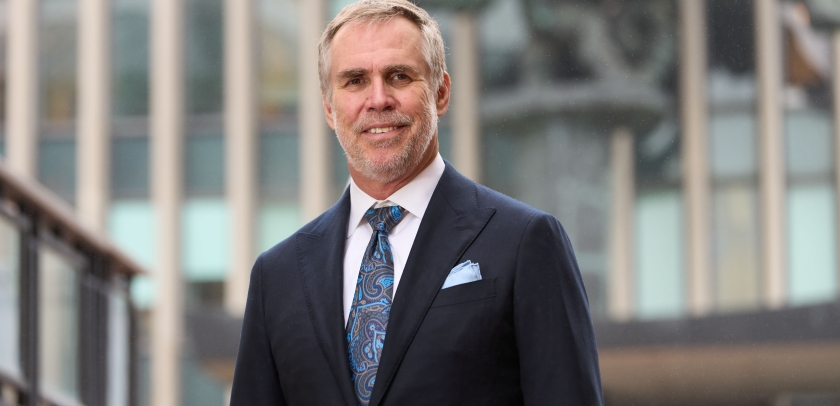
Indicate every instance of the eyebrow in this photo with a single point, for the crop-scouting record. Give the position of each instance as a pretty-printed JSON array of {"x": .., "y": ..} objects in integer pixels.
[
  {"x": 352, "y": 73},
  {"x": 401, "y": 68}
]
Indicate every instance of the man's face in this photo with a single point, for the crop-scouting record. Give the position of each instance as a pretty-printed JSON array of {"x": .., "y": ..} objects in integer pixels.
[{"x": 382, "y": 109}]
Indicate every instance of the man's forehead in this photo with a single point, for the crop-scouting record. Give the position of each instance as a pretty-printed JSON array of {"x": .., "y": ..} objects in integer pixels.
[{"x": 394, "y": 37}]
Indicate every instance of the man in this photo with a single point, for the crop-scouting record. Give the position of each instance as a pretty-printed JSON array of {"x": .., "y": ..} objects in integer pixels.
[{"x": 419, "y": 287}]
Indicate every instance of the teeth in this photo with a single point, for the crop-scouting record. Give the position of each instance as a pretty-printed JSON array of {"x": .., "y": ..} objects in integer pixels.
[{"x": 381, "y": 130}]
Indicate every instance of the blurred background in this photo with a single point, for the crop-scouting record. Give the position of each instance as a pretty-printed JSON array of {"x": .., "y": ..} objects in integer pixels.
[{"x": 153, "y": 148}]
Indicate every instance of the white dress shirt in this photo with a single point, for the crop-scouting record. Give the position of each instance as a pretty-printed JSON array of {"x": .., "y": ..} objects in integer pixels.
[{"x": 414, "y": 198}]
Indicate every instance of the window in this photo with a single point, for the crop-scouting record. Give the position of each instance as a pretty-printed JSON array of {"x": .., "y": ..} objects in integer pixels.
[
  {"x": 10, "y": 306},
  {"x": 733, "y": 155},
  {"x": 58, "y": 323},
  {"x": 811, "y": 208},
  {"x": 119, "y": 350}
]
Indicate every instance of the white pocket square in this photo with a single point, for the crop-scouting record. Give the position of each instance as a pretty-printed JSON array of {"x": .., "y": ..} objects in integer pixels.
[{"x": 463, "y": 273}]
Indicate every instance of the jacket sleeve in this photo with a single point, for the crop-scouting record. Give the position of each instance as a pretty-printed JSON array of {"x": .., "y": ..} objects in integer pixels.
[
  {"x": 554, "y": 335},
  {"x": 255, "y": 379}
]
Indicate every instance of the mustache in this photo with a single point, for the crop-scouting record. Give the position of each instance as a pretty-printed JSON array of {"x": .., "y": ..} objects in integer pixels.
[{"x": 393, "y": 117}]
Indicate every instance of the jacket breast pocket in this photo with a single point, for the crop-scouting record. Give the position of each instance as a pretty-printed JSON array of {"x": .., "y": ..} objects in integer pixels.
[{"x": 467, "y": 292}]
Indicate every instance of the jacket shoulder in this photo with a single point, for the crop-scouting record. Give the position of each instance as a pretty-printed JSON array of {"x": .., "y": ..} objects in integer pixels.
[{"x": 506, "y": 205}]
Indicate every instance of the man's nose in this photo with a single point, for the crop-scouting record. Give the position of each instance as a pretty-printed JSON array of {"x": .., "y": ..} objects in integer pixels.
[{"x": 380, "y": 97}]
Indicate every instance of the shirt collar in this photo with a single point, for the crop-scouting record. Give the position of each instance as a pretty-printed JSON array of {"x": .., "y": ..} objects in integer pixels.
[{"x": 414, "y": 196}]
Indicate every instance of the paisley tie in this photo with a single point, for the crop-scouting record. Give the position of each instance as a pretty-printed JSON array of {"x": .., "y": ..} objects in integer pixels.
[{"x": 372, "y": 302}]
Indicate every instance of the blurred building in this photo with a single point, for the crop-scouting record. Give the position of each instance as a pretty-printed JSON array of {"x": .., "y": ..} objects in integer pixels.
[{"x": 689, "y": 147}]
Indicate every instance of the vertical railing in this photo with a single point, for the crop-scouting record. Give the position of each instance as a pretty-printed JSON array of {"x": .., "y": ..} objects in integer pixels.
[{"x": 29, "y": 305}]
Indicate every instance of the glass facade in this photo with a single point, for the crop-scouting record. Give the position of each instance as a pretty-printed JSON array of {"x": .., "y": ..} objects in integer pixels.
[
  {"x": 205, "y": 253},
  {"x": 203, "y": 52},
  {"x": 59, "y": 324},
  {"x": 131, "y": 226},
  {"x": 809, "y": 142},
  {"x": 131, "y": 218},
  {"x": 278, "y": 214},
  {"x": 10, "y": 300},
  {"x": 733, "y": 147},
  {"x": 557, "y": 80},
  {"x": 130, "y": 58},
  {"x": 130, "y": 168},
  {"x": 660, "y": 282},
  {"x": 58, "y": 60},
  {"x": 204, "y": 213}
]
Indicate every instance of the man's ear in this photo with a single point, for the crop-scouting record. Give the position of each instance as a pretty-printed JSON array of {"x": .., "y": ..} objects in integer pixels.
[
  {"x": 442, "y": 95},
  {"x": 328, "y": 111}
]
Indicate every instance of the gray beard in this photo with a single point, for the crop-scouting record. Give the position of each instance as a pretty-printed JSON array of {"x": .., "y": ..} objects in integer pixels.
[{"x": 407, "y": 159}]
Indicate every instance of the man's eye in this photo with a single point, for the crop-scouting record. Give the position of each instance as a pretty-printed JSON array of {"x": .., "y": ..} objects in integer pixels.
[
  {"x": 401, "y": 77},
  {"x": 354, "y": 81}
]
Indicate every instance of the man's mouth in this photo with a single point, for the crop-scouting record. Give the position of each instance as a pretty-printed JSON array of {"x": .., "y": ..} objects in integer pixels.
[{"x": 381, "y": 130}]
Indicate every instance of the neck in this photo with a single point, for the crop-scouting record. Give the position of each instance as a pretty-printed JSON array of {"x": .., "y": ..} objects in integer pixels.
[{"x": 381, "y": 191}]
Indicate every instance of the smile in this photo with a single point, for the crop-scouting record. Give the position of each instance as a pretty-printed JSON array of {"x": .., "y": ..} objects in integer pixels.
[{"x": 380, "y": 130}]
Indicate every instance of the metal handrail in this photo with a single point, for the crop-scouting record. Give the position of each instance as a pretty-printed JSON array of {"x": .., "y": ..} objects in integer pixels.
[{"x": 56, "y": 212}]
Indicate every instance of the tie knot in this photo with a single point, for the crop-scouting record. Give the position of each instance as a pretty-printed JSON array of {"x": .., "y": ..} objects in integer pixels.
[{"x": 384, "y": 218}]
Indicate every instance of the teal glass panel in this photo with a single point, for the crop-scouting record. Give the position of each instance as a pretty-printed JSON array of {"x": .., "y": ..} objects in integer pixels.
[
  {"x": 660, "y": 288},
  {"x": 206, "y": 239},
  {"x": 812, "y": 244},
  {"x": 130, "y": 57},
  {"x": 203, "y": 48},
  {"x": 732, "y": 142},
  {"x": 57, "y": 167},
  {"x": 809, "y": 145},
  {"x": 131, "y": 226},
  {"x": 58, "y": 321},
  {"x": 205, "y": 165},
  {"x": 276, "y": 222},
  {"x": 9, "y": 299},
  {"x": 811, "y": 217},
  {"x": 130, "y": 167},
  {"x": 278, "y": 165}
]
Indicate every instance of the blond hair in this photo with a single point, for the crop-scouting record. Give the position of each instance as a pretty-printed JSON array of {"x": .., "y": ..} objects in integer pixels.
[{"x": 381, "y": 11}]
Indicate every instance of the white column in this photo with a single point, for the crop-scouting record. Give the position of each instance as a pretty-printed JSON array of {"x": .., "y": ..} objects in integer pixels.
[
  {"x": 314, "y": 133},
  {"x": 465, "y": 87},
  {"x": 835, "y": 91},
  {"x": 167, "y": 132},
  {"x": 241, "y": 150},
  {"x": 94, "y": 107},
  {"x": 771, "y": 153},
  {"x": 622, "y": 238},
  {"x": 22, "y": 91},
  {"x": 695, "y": 155}
]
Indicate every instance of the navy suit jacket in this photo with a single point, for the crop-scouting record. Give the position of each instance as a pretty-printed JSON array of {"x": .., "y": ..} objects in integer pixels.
[{"x": 521, "y": 335}]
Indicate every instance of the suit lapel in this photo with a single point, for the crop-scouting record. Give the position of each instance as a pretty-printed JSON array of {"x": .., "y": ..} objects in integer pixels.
[
  {"x": 321, "y": 263},
  {"x": 450, "y": 224}
]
